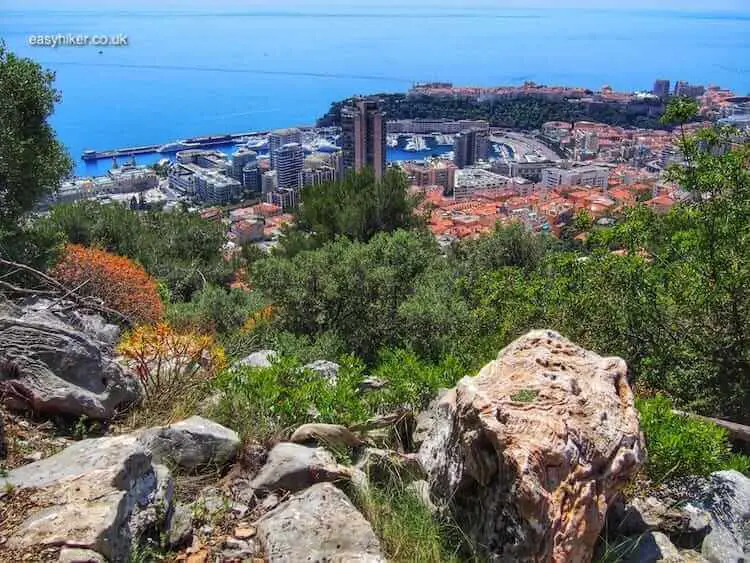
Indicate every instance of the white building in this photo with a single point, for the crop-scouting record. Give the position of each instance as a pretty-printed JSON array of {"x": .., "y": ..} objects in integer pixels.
[
  {"x": 281, "y": 137},
  {"x": 470, "y": 180},
  {"x": 290, "y": 160},
  {"x": 594, "y": 176}
]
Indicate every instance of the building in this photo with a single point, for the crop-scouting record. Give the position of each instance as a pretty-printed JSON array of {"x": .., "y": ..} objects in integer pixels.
[
  {"x": 471, "y": 146},
  {"x": 281, "y": 137},
  {"x": 248, "y": 230},
  {"x": 290, "y": 160},
  {"x": 215, "y": 188},
  {"x": 442, "y": 126},
  {"x": 661, "y": 89},
  {"x": 471, "y": 180},
  {"x": 594, "y": 176},
  {"x": 269, "y": 181},
  {"x": 252, "y": 179},
  {"x": 432, "y": 173},
  {"x": 240, "y": 159},
  {"x": 528, "y": 170},
  {"x": 318, "y": 169},
  {"x": 363, "y": 137},
  {"x": 286, "y": 199},
  {"x": 688, "y": 90}
]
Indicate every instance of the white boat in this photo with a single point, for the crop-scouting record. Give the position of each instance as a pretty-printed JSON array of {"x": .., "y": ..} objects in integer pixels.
[
  {"x": 177, "y": 146},
  {"x": 416, "y": 143},
  {"x": 257, "y": 144},
  {"x": 392, "y": 141}
]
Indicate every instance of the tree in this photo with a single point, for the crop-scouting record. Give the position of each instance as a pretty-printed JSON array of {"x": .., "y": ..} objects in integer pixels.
[
  {"x": 32, "y": 160},
  {"x": 120, "y": 283}
]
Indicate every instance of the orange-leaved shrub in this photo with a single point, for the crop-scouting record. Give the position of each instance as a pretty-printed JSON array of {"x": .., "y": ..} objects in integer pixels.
[
  {"x": 119, "y": 282},
  {"x": 170, "y": 363}
]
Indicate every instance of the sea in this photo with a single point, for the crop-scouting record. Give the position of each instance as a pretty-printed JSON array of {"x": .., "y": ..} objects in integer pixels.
[{"x": 189, "y": 72}]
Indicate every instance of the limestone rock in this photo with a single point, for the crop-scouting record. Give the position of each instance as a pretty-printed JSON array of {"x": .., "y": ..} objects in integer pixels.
[
  {"x": 105, "y": 510},
  {"x": 727, "y": 499},
  {"x": 73, "y": 555},
  {"x": 292, "y": 467},
  {"x": 192, "y": 444},
  {"x": 531, "y": 452},
  {"x": 325, "y": 369},
  {"x": 261, "y": 359},
  {"x": 54, "y": 368},
  {"x": 319, "y": 524},
  {"x": 180, "y": 527},
  {"x": 653, "y": 547},
  {"x": 425, "y": 420},
  {"x": 333, "y": 436}
]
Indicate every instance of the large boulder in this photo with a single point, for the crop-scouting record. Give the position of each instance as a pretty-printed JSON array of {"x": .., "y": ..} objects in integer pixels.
[
  {"x": 192, "y": 444},
  {"x": 318, "y": 524},
  {"x": 52, "y": 367},
  {"x": 333, "y": 436},
  {"x": 326, "y": 369},
  {"x": 260, "y": 359},
  {"x": 292, "y": 467},
  {"x": 101, "y": 495},
  {"x": 530, "y": 453},
  {"x": 726, "y": 497}
]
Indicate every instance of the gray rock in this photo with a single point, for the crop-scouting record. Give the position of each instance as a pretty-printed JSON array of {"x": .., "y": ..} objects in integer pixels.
[
  {"x": 371, "y": 384},
  {"x": 180, "y": 527},
  {"x": 425, "y": 420},
  {"x": 234, "y": 548},
  {"x": 192, "y": 444},
  {"x": 319, "y": 524},
  {"x": 333, "y": 436},
  {"x": 325, "y": 369},
  {"x": 386, "y": 466},
  {"x": 727, "y": 500},
  {"x": 54, "y": 368},
  {"x": 106, "y": 509},
  {"x": 261, "y": 359},
  {"x": 291, "y": 467},
  {"x": 73, "y": 555},
  {"x": 652, "y": 547}
]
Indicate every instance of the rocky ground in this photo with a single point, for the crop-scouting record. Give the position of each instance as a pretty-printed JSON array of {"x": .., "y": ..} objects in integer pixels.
[{"x": 529, "y": 457}]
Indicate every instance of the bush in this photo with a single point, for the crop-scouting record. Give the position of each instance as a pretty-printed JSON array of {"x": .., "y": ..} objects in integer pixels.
[
  {"x": 680, "y": 446},
  {"x": 170, "y": 364},
  {"x": 120, "y": 283},
  {"x": 260, "y": 403}
]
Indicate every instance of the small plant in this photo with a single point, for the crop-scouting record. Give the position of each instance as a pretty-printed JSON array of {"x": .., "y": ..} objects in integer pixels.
[
  {"x": 525, "y": 396},
  {"x": 679, "y": 445}
]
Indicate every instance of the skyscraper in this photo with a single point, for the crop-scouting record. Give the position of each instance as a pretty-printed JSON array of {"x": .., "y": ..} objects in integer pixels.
[
  {"x": 661, "y": 89},
  {"x": 281, "y": 137},
  {"x": 363, "y": 137},
  {"x": 470, "y": 146},
  {"x": 290, "y": 160}
]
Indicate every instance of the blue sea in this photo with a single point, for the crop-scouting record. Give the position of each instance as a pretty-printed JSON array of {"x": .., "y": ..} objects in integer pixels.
[{"x": 187, "y": 72}]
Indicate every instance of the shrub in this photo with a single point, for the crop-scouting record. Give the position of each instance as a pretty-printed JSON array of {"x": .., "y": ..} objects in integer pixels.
[
  {"x": 262, "y": 402},
  {"x": 679, "y": 445},
  {"x": 119, "y": 282},
  {"x": 169, "y": 364}
]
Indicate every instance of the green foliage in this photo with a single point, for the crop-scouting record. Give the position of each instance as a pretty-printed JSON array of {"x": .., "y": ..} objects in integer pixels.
[
  {"x": 408, "y": 532},
  {"x": 32, "y": 161},
  {"x": 178, "y": 248},
  {"x": 357, "y": 206},
  {"x": 214, "y": 309},
  {"x": 525, "y": 396},
  {"x": 679, "y": 445},
  {"x": 521, "y": 112}
]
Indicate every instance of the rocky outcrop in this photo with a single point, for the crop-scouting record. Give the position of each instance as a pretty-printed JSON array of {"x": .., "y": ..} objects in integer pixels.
[
  {"x": 386, "y": 466},
  {"x": 60, "y": 365},
  {"x": 325, "y": 369},
  {"x": 292, "y": 467},
  {"x": 319, "y": 524},
  {"x": 726, "y": 497},
  {"x": 530, "y": 453},
  {"x": 192, "y": 444},
  {"x": 334, "y": 436},
  {"x": 261, "y": 359},
  {"x": 106, "y": 494}
]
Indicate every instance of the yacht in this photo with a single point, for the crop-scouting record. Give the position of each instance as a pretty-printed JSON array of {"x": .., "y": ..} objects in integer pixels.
[
  {"x": 416, "y": 143},
  {"x": 177, "y": 146}
]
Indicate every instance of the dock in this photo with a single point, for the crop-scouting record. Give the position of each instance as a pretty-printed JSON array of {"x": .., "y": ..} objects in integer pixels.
[{"x": 203, "y": 142}]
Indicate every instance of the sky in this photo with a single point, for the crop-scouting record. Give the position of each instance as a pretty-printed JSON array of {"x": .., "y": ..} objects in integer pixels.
[{"x": 314, "y": 5}]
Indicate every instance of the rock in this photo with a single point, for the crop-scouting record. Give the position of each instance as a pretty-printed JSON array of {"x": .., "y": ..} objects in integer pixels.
[
  {"x": 371, "y": 384},
  {"x": 53, "y": 368},
  {"x": 392, "y": 431},
  {"x": 726, "y": 497},
  {"x": 291, "y": 467},
  {"x": 325, "y": 369},
  {"x": 237, "y": 549},
  {"x": 385, "y": 466},
  {"x": 425, "y": 420},
  {"x": 652, "y": 547},
  {"x": 333, "y": 436},
  {"x": 74, "y": 555},
  {"x": 105, "y": 510},
  {"x": 319, "y": 524},
  {"x": 261, "y": 359},
  {"x": 685, "y": 525},
  {"x": 180, "y": 527},
  {"x": 192, "y": 444},
  {"x": 530, "y": 453},
  {"x": 245, "y": 532}
]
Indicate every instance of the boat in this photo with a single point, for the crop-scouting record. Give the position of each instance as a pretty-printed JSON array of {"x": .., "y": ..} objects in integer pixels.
[
  {"x": 257, "y": 144},
  {"x": 416, "y": 143},
  {"x": 392, "y": 141},
  {"x": 177, "y": 146},
  {"x": 89, "y": 155}
]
